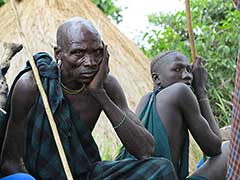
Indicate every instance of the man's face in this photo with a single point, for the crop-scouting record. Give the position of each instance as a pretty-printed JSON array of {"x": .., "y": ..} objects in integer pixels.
[
  {"x": 82, "y": 55},
  {"x": 175, "y": 68}
]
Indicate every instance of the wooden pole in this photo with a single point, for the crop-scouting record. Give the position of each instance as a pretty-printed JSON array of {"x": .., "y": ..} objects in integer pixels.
[
  {"x": 190, "y": 31},
  {"x": 191, "y": 40},
  {"x": 44, "y": 96}
]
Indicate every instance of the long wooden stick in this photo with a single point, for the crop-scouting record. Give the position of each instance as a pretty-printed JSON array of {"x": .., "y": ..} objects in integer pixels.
[
  {"x": 44, "y": 97},
  {"x": 191, "y": 40},
  {"x": 190, "y": 31}
]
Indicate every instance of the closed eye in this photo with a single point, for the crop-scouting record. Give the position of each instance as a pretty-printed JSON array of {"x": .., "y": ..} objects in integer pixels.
[{"x": 78, "y": 52}]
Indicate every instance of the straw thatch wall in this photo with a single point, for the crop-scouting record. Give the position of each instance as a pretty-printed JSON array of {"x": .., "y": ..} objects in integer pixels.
[{"x": 40, "y": 19}]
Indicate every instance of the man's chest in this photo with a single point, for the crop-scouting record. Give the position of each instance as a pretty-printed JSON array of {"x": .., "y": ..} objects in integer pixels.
[{"x": 86, "y": 107}]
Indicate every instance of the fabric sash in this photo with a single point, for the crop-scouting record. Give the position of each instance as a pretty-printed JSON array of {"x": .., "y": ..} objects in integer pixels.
[
  {"x": 152, "y": 122},
  {"x": 41, "y": 155}
]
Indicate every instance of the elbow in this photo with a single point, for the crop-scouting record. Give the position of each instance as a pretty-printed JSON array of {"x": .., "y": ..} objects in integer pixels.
[
  {"x": 214, "y": 148},
  {"x": 147, "y": 150}
]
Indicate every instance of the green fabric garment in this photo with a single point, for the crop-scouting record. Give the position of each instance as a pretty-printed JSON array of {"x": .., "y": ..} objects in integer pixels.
[
  {"x": 131, "y": 169},
  {"x": 152, "y": 122},
  {"x": 41, "y": 157},
  {"x": 196, "y": 178}
]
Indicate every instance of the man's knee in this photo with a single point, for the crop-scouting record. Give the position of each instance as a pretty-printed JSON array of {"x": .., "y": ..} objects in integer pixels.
[
  {"x": 164, "y": 165},
  {"x": 225, "y": 147}
]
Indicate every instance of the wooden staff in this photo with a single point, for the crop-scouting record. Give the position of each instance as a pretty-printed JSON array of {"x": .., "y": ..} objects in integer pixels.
[
  {"x": 190, "y": 31},
  {"x": 191, "y": 40},
  {"x": 44, "y": 97}
]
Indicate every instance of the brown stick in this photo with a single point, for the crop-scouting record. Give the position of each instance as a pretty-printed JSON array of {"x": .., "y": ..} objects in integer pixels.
[
  {"x": 191, "y": 40},
  {"x": 44, "y": 97},
  {"x": 190, "y": 31}
]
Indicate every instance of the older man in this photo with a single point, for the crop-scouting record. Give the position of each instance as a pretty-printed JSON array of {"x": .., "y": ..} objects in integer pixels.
[{"x": 79, "y": 89}]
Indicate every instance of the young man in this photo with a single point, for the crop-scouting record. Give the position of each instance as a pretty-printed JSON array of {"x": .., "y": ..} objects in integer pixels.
[
  {"x": 78, "y": 90},
  {"x": 173, "y": 108}
]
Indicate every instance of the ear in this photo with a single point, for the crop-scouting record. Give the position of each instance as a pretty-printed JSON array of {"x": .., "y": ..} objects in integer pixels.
[
  {"x": 156, "y": 79},
  {"x": 57, "y": 53}
]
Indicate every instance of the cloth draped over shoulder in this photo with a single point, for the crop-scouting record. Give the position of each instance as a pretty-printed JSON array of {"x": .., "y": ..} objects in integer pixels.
[
  {"x": 233, "y": 158},
  {"x": 41, "y": 156},
  {"x": 152, "y": 122}
]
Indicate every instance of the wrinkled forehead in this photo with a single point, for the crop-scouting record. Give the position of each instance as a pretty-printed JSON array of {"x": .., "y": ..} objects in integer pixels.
[{"x": 79, "y": 32}]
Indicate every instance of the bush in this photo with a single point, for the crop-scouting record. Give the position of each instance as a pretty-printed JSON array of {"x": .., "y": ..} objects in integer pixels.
[{"x": 217, "y": 38}]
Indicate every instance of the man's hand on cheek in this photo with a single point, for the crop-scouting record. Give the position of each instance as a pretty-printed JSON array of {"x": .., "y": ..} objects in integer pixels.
[{"x": 100, "y": 76}]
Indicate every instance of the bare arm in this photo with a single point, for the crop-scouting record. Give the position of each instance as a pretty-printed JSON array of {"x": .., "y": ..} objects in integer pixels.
[
  {"x": 109, "y": 94},
  {"x": 200, "y": 90},
  {"x": 132, "y": 134},
  {"x": 13, "y": 147},
  {"x": 200, "y": 128}
]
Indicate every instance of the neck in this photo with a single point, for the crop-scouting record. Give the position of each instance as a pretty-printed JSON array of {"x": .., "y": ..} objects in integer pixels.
[{"x": 71, "y": 89}]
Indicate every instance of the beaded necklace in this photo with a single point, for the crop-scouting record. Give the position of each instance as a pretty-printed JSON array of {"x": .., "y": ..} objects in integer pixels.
[{"x": 70, "y": 91}]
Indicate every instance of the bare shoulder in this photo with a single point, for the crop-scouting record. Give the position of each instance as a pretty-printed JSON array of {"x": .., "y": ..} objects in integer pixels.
[
  {"x": 179, "y": 88},
  {"x": 145, "y": 98},
  {"x": 115, "y": 91},
  {"x": 176, "y": 92},
  {"x": 111, "y": 81},
  {"x": 143, "y": 101},
  {"x": 112, "y": 85},
  {"x": 25, "y": 90}
]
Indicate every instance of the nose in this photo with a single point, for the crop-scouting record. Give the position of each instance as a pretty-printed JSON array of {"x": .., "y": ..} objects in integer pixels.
[
  {"x": 186, "y": 75},
  {"x": 90, "y": 61}
]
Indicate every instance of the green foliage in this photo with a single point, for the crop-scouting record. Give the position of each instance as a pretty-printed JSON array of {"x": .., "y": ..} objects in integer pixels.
[
  {"x": 217, "y": 38},
  {"x": 108, "y": 7},
  {"x": 2, "y": 2}
]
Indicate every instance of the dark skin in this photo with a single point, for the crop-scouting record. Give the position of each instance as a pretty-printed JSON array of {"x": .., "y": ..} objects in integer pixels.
[
  {"x": 84, "y": 60},
  {"x": 178, "y": 107}
]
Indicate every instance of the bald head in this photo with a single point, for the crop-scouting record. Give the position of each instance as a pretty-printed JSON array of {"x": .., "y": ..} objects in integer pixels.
[
  {"x": 75, "y": 28},
  {"x": 161, "y": 59}
]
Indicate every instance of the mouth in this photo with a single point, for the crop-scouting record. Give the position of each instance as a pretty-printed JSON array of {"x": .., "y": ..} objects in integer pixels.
[
  {"x": 189, "y": 83},
  {"x": 88, "y": 74}
]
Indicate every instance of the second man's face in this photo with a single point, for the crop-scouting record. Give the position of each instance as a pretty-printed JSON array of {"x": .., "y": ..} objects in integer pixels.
[{"x": 176, "y": 70}]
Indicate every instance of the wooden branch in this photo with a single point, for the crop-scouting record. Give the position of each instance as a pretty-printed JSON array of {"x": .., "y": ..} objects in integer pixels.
[
  {"x": 190, "y": 31},
  {"x": 44, "y": 97}
]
